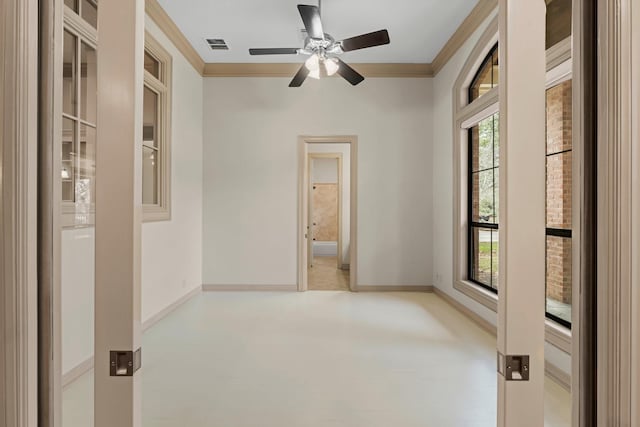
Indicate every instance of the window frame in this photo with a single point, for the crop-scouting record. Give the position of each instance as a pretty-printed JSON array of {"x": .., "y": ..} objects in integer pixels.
[
  {"x": 465, "y": 114},
  {"x": 471, "y": 224},
  {"x": 72, "y": 214},
  {"x": 162, "y": 85}
]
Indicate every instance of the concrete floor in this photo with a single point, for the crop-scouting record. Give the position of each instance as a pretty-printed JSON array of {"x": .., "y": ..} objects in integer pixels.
[{"x": 316, "y": 359}]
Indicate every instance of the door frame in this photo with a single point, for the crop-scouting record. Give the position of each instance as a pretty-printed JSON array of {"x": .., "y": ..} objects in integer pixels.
[
  {"x": 303, "y": 206},
  {"x": 310, "y": 158},
  {"x": 18, "y": 213}
]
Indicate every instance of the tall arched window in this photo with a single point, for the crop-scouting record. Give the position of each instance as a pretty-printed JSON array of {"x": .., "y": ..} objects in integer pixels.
[
  {"x": 476, "y": 153},
  {"x": 476, "y": 171},
  {"x": 483, "y": 178}
]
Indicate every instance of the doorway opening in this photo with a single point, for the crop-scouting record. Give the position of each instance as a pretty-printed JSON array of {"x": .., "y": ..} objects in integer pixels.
[
  {"x": 326, "y": 269},
  {"x": 327, "y": 213}
]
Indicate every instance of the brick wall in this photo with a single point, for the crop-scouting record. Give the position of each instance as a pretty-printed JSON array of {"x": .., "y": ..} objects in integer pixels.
[{"x": 559, "y": 187}]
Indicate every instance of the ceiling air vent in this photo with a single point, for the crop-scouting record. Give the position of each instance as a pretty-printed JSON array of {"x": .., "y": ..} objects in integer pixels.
[{"x": 217, "y": 44}]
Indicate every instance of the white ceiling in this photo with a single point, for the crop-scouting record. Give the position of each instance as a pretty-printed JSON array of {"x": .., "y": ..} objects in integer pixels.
[{"x": 418, "y": 28}]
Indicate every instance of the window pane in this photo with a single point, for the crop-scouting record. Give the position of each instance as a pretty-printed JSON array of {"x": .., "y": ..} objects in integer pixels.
[
  {"x": 149, "y": 176},
  {"x": 496, "y": 139},
  {"x": 483, "y": 205},
  {"x": 90, "y": 12},
  {"x": 69, "y": 100},
  {"x": 496, "y": 195},
  {"x": 486, "y": 77},
  {"x": 559, "y": 118},
  {"x": 558, "y": 21},
  {"x": 67, "y": 170},
  {"x": 85, "y": 187},
  {"x": 482, "y": 137},
  {"x": 88, "y": 83},
  {"x": 559, "y": 157},
  {"x": 73, "y": 4},
  {"x": 559, "y": 277},
  {"x": 484, "y": 253},
  {"x": 559, "y": 172},
  {"x": 152, "y": 65},
  {"x": 150, "y": 117}
]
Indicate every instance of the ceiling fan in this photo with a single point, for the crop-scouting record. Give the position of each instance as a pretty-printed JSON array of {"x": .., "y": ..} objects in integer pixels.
[{"x": 324, "y": 49}]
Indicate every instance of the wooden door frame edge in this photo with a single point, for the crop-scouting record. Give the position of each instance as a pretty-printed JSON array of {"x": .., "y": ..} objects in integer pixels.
[
  {"x": 303, "y": 140},
  {"x": 18, "y": 213}
]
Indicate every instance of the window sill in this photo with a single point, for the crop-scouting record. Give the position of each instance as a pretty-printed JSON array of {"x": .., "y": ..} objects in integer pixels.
[
  {"x": 151, "y": 213},
  {"x": 555, "y": 334}
]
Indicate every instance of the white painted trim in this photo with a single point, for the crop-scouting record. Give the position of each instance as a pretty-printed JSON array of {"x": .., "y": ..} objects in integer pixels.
[
  {"x": 474, "y": 113},
  {"x": 147, "y": 324},
  {"x": 252, "y": 288},
  {"x": 521, "y": 305},
  {"x": 552, "y": 371},
  {"x": 161, "y": 211},
  {"x": 77, "y": 371},
  {"x": 462, "y": 113},
  {"x": 560, "y": 74},
  {"x": 50, "y": 217},
  {"x": 558, "y": 375},
  {"x": 617, "y": 197},
  {"x": 118, "y": 289},
  {"x": 558, "y": 336},
  {"x": 303, "y": 182},
  {"x": 18, "y": 213},
  {"x": 635, "y": 216},
  {"x": 394, "y": 288},
  {"x": 472, "y": 315},
  {"x": 478, "y": 294},
  {"x": 87, "y": 365},
  {"x": 559, "y": 53}
]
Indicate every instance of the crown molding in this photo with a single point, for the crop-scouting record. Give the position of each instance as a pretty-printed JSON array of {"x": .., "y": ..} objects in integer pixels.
[
  {"x": 478, "y": 15},
  {"x": 288, "y": 69},
  {"x": 407, "y": 70},
  {"x": 171, "y": 30}
]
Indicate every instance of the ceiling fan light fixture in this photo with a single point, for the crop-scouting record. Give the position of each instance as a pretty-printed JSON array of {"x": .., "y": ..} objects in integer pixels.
[
  {"x": 313, "y": 64},
  {"x": 315, "y": 74},
  {"x": 331, "y": 65}
]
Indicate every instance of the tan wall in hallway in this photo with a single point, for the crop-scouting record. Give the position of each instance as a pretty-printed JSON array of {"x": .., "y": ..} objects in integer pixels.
[{"x": 325, "y": 212}]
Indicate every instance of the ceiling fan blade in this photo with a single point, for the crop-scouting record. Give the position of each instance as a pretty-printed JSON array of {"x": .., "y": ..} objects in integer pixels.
[
  {"x": 349, "y": 74},
  {"x": 377, "y": 38},
  {"x": 300, "y": 77},
  {"x": 312, "y": 22},
  {"x": 274, "y": 51}
]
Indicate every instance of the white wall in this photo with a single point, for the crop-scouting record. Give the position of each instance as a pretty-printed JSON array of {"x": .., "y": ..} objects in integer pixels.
[
  {"x": 171, "y": 250},
  {"x": 442, "y": 174},
  {"x": 345, "y": 150},
  {"x": 77, "y": 270},
  {"x": 250, "y": 176}
]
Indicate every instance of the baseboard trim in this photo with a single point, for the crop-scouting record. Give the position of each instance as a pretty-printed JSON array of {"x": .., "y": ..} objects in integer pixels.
[
  {"x": 558, "y": 375},
  {"x": 168, "y": 309},
  {"x": 552, "y": 371},
  {"x": 477, "y": 319},
  {"x": 77, "y": 371},
  {"x": 239, "y": 288},
  {"x": 391, "y": 288},
  {"x": 87, "y": 365}
]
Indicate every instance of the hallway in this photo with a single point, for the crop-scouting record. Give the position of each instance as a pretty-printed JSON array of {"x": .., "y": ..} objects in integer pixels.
[{"x": 248, "y": 359}]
